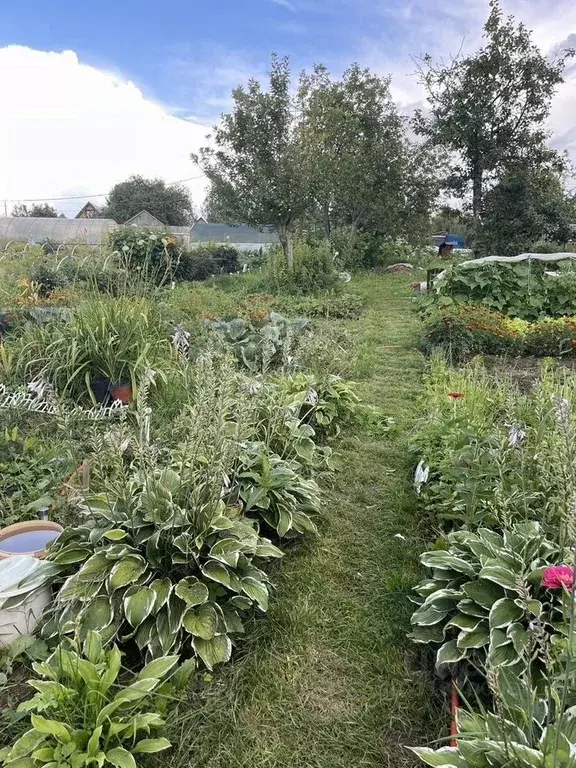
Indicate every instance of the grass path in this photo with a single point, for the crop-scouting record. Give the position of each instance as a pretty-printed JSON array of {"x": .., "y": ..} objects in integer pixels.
[{"x": 328, "y": 679}]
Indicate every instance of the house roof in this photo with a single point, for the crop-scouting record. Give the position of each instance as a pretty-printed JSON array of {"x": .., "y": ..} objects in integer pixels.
[
  {"x": 39, "y": 230},
  {"x": 89, "y": 204},
  {"x": 146, "y": 218},
  {"x": 203, "y": 232}
]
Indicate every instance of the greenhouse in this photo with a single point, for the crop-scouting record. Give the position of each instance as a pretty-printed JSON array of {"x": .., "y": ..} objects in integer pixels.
[{"x": 41, "y": 230}]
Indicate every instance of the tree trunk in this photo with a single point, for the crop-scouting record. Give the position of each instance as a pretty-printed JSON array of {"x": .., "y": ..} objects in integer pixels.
[
  {"x": 287, "y": 243},
  {"x": 477, "y": 190}
]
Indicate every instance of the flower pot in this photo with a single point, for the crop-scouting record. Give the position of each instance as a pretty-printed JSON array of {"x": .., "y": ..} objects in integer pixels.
[
  {"x": 122, "y": 392},
  {"x": 30, "y": 537},
  {"x": 101, "y": 389},
  {"x": 24, "y": 594}
]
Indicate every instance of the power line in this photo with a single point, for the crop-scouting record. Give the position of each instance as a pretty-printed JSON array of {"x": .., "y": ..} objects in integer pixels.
[{"x": 80, "y": 197}]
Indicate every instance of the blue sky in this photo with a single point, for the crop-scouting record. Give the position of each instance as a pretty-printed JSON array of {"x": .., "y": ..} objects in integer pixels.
[{"x": 125, "y": 86}]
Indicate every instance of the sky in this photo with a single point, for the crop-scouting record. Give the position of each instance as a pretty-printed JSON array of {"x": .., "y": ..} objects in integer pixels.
[{"x": 91, "y": 93}]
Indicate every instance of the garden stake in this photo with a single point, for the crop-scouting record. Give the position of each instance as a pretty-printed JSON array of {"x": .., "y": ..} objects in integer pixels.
[{"x": 454, "y": 706}]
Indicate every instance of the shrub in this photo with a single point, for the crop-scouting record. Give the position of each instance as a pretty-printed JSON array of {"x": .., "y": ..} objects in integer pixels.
[
  {"x": 314, "y": 270},
  {"x": 328, "y": 305},
  {"x": 153, "y": 254},
  {"x": 194, "y": 266}
]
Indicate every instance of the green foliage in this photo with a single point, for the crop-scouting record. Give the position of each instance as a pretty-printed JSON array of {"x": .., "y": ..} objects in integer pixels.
[
  {"x": 354, "y": 146},
  {"x": 170, "y": 204},
  {"x": 511, "y": 112},
  {"x": 259, "y": 348},
  {"x": 521, "y": 290},
  {"x": 313, "y": 270},
  {"x": 255, "y": 165},
  {"x": 528, "y": 730},
  {"x": 38, "y": 210},
  {"x": 80, "y": 715},
  {"x": 327, "y": 305},
  {"x": 32, "y": 472},
  {"x": 528, "y": 204},
  {"x": 167, "y": 564},
  {"x": 484, "y": 592},
  {"x": 116, "y": 339},
  {"x": 146, "y": 254}
]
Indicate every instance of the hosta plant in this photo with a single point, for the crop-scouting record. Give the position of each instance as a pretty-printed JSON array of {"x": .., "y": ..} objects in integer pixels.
[
  {"x": 484, "y": 593},
  {"x": 81, "y": 715},
  {"x": 525, "y": 731},
  {"x": 167, "y": 566},
  {"x": 327, "y": 402},
  {"x": 277, "y": 491}
]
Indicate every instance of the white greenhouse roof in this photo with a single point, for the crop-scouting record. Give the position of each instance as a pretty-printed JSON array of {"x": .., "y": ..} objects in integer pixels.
[{"x": 39, "y": 230}]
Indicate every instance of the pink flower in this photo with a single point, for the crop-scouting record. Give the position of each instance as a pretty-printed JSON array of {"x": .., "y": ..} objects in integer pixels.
[{"x": 557, "y": 577}]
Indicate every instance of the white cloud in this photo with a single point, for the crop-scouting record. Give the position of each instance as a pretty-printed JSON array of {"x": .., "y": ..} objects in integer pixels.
[{"x": 67, "y": 128}]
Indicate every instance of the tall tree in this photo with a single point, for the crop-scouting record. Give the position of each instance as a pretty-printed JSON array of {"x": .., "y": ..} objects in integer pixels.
[
  {"x": 528, "y": 204},
  {"x": 170, "y": 203},
  {"x": 38, "y": 210},
  {"x": 363, "y": 171},
  {"x": 254, "y": 168},
  {"x": 489, "y": 108}
]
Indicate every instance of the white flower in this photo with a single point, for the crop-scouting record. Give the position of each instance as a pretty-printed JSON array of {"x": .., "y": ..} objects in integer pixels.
[
  {"x": 37, "y": 386},
  {"x": 421, "y": 476},
  {"x": 254, "y": 387},
  {"x": 516, "y": 435},
  {"x": 125, "y": 248}
]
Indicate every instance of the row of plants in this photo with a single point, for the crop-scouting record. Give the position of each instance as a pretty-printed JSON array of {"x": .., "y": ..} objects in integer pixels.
[
  {"x": 195, "y": 491},
  {"x": 497, "y": 478},
  {"x": 462, "y": 331},
  {"x": 529, "y": 290}
]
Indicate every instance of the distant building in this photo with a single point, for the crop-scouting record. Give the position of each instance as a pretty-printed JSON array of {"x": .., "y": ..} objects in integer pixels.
[
  {"x": 88, "y": 211},
  {"x": 241, "y": 236},
  {"x": 144, "y": 220},
  {"x": 31, "y": 229}
]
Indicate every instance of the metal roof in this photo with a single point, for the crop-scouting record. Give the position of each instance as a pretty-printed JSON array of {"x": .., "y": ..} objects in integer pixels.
[
  {"x": 203, "y": 232},
  {"x": 39, "y": 230}
]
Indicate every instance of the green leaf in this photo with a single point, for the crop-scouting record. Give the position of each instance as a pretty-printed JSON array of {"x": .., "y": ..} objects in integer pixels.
[
  {"x": 504, "y": 612},
  {"x": 520, "y": 638},
  {"x": 116, "y": 534},
  {"x": 27, "y": 743},
  {"x": 192, "y": 591},
  {"x": 51, "y": 727},
  {"x": 113, "y": 663},
  {"x": 503, "y": 655},
  {"x": 446, "y": 757},
  {"x": 94, "y": 741},
  {"x": 447, "y": 561},
  {"x": 478, "y": 638},
  {"x": 500, "y": 575},
  {"x": 215, "y": 651},
  {"x": 463, "y": 621},
  {"x": 120, "y": 758},
  {"x": 97, "y": 614},
  {"x": 201, "y": 622},
  {"x": 165, "y": 635},
  {"x": 158, "y": 668},
  {"x": 92, "y": 647},
  {"x": 162, "y": 589},
  {"x": 449, "y": 653},
  {"x": 485, "y": 593},
  {"x": 126, "y": 571},
  {"x": 216, "y": 572},
  {"x": 227, "y": 551},
  {"x": 70, "y": 555},
  {"x": 267, "y": 549},
  {"x": 138, "y": 604},
  {"x": 148, "y": 746},
  {"x": 256, "y": 590}
]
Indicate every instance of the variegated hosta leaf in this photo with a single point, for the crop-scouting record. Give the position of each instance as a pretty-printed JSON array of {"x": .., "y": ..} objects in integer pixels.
[
  {"x": 192, "y": 591},
  {"x": 215, "y": 651},
  {"x": 138, "y": 604}
]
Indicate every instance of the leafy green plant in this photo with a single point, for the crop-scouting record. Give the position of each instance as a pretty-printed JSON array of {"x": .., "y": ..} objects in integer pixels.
[
  {"x": 154, "y": 255},
  {"x": 167, "y": 564},
  {"x": 527, "y": 730},
  {"x": 259, "y": 348},
  {"x": 326, "y": 402},
  {"x": 275, "y": 489},
  {"x": 81, "y": 715},
  {"x": 483, "y": 593},
  {"x": 313, "y": 270},
  {"x": 117, "y": 339},
  {"x": 329, "y": 305}
]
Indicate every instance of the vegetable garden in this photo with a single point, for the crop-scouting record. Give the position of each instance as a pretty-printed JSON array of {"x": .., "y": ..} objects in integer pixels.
[{"x": 235, "y": 573}]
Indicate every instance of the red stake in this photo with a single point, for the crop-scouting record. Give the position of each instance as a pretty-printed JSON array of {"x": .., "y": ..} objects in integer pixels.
[{"x": 454, "y": 706}]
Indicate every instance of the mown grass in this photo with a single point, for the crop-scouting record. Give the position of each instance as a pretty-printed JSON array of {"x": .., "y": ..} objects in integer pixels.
[{"x": 328, "y": 678}]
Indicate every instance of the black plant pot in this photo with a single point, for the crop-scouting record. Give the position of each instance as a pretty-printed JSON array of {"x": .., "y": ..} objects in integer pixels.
[{"x": 101, "y": 389}]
